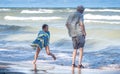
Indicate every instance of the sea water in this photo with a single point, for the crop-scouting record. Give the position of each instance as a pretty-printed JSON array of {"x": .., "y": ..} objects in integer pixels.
[{"x": 19, "y": 27}]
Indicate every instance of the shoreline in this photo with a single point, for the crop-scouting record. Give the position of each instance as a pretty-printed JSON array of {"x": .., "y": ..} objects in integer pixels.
[{"x": 41, "y": 67}]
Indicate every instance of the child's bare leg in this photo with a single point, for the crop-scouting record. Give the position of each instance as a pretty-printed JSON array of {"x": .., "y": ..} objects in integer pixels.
[
  {"x": 49, "y": 53},
  {"x": 36, "y": 55}
]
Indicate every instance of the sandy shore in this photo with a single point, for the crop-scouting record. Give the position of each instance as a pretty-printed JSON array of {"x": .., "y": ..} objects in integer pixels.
[{"x": 41, "y": 67}]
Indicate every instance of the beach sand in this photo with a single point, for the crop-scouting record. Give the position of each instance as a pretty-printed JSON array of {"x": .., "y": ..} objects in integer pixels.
[{"x": 43, "y": 68}]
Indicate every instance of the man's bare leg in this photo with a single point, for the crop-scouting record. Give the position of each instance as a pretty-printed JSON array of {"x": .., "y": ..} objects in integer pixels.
[
  {"x": 49, "y": 53},
  {"x": 73, "y": 70},
  {"x": 74, "y": 57},
  {"x": 35, "y": 67},
  {"x": 36, "y": 55},
  {"x": 80, "y": 56}
]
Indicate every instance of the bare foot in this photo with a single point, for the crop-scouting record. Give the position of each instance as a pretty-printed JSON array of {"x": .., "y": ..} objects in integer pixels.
[
  {"x": 73, "y": 65},
  {"x": 80, "y": 66},
  {"x": 54, "y": 57}
]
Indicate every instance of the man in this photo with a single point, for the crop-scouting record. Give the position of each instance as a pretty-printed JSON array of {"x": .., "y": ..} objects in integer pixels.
[
  {"x": 76, "y": 29},
  {"x": 42, "y": 41}
]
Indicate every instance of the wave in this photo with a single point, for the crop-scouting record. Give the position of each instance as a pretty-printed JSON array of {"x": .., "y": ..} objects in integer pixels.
[
  {"x": 9, "y": 27},
  {"x": 46, "y": 11},
  {"x": 103, "y": 59},
  {"x": 5, "y": 9},
  {"x": 91, "y": 44},
  {"x": 37, "y": 11},
  {"x": 106, "y": 22},
  {"x": 67, "y": 10},
  {"x": 109, "y": 54},
  {"x": 102, "y": 10},
  {"x": 86, "y": 16},
  {"x": 63, "y": 43},
  {"x": 31, "y": 18},
  {"x": 102, "y": 17}
]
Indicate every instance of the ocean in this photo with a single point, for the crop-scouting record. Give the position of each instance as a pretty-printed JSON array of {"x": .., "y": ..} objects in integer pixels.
[{"x": 19, "y": 27}]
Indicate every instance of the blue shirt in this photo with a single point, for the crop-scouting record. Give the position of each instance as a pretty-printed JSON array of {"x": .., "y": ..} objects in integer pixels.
[{"x": 42, "y": 39}]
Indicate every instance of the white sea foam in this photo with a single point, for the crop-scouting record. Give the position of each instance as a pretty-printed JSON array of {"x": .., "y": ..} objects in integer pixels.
[
  {"x": 3, "y": 49},
  {"x": 37, "y": 11},
  {"x": 102, "y": 17},
  {"x": 4, "y": 9},
  {"x": 102, "y": 10},
  {"x": 106, "y": 22},
  {"x": 31, "y": 18}
]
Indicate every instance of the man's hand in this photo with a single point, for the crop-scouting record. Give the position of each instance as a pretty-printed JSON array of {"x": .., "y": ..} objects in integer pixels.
[
  {"x": 84, "y": 33},
  {"x": 83, "y": 28},
  {"x": 67, "y": 25}
]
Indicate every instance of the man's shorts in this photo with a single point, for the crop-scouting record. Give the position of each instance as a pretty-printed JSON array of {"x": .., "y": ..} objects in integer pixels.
[{"x": 78, "y": 41}]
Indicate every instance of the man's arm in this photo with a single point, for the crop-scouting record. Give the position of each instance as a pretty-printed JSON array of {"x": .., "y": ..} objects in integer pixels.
[
  {"x": 81, "y": 23},
  {"x": 67, "y": 22},
  {"x": 67, "y": 25},
  {"x": 83, "y": 28}
]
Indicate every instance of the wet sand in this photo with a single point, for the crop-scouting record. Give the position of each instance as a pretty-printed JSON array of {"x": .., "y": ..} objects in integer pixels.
[{"x": 42, "y": 67}]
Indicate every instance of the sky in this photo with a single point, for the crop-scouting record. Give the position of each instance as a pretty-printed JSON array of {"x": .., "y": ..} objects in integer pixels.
[{"x": 59, "y": 3}]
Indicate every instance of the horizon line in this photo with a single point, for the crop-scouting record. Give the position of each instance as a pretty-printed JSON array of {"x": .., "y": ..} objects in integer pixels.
[{"x": 59, "y": 7}]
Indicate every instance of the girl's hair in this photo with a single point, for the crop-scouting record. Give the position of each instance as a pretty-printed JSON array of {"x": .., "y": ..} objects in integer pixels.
[{"x": 44, "y": 26}]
